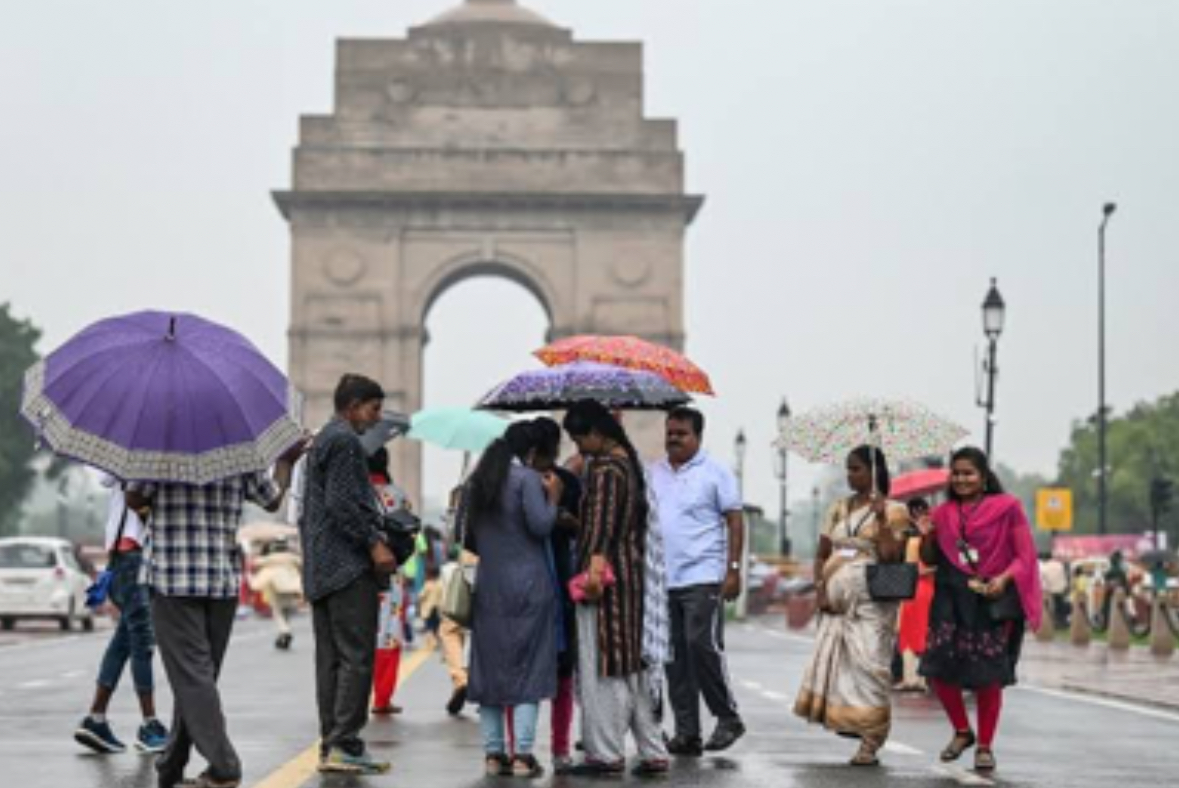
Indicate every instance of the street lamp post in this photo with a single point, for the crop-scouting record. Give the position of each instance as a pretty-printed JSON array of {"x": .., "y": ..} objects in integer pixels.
[
  {"x": 994, "y": 311},
  {"x": 780, "y": 470},
  {"x": 739, "y": 447},
  {"x": 1102, "y": 463}
]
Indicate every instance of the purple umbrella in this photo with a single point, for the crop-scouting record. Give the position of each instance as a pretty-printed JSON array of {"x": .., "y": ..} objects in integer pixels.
[
  {"x": 155, "y": 396},
  {"x": 557, "y": 388}
]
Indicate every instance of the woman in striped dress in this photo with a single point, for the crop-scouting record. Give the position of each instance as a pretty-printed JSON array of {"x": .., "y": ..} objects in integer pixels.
[{"x": 615, "y": 690}]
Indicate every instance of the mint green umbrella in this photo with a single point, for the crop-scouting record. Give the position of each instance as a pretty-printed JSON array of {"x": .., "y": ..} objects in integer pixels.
[{"x": 456, "y": 428}]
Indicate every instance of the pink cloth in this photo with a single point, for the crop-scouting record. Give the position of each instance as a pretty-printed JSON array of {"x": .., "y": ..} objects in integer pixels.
[{"x": 998, "y": 529}]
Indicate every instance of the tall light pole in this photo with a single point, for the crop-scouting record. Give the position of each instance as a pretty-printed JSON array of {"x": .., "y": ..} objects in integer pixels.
[
  {"x": 739, "y": 446},
  {"x": 1102, "y": 464},
  {"x": 994, "y": 311},
  {"x": 781, "y": 460}
]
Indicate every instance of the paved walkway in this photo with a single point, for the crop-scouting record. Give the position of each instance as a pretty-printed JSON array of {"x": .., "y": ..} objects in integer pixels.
[{"x": 1134, "y": 675}]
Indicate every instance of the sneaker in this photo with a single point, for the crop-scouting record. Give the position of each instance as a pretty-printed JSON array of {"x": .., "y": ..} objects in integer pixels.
[
  {"x": 562, "y": 764},
  {"x": 458, "y": 699},
  {"x": 283, "y": 642},
  {"x": 152, "y": 737},
  {"x": 687, "y": 746},
  {"x": 526, "y": 766},
  {"x": 98, "y": 736},
  {"x": 726, "y": 734},
  {"x": 340, "y": 762}
]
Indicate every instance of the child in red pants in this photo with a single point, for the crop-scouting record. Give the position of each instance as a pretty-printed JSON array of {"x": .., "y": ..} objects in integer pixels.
[{"x": 389, "y": 642}]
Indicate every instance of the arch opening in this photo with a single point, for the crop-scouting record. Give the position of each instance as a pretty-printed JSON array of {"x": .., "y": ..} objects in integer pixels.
[{"x": 480, "y": 327}]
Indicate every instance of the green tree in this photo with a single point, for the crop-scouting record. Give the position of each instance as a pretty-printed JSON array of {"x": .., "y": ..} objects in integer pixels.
[
  {"x": 18, "y": 339},
  {"x": 1142, "y": 444}
]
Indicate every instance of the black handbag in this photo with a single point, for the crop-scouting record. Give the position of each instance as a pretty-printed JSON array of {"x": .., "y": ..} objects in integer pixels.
[
  {"x": 892, "y": 582},
  {"x": 400, "y": 528},
  {"x": 889, "y": 582}
]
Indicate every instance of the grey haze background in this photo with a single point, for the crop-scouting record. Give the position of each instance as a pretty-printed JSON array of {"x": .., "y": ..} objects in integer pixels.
[{"x": 869, "y": 164}]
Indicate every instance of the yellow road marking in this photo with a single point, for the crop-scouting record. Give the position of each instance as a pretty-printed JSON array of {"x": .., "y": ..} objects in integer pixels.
[{"x": 304, "y": 766}]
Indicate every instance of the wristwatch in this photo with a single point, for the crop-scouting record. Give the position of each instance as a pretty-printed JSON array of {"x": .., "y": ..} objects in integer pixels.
[{"x": 734, "y": 566}]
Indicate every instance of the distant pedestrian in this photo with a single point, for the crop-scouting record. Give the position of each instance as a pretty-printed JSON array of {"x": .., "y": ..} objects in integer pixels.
[
  {"x": 452, "y": 635},
  {"x": 1054, "y": 581},
  {"x": 700, "y": 513},
  {"x": 987, "y": 591},
  {"x": 847, "y": 686},
  {"x": 614, "y": 685},
  {"x": 347, "y": 563},
  {"x": 914, "y": 615},
  {"x": 133, "y": 639},
  {"x": 511, "y": 511},
  {"x": 278, "y": 577},
  {"x": 194, "y": 568}
]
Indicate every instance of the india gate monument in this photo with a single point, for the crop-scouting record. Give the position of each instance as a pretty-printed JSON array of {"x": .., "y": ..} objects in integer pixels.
[{"x": 488, "y": 141}]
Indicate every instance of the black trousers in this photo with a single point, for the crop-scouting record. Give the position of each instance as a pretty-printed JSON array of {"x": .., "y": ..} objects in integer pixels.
[
  {"x": 698, "y": 666},
  {"x": 193, "y": 636},
  {"x": 345, "y": 624}
]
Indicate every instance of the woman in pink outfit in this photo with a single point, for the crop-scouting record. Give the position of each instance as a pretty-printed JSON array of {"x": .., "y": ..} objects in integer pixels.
[{"x": 986, "y": 593}]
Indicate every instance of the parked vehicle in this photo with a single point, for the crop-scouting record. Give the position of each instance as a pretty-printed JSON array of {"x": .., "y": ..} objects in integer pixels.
[{"x": 40, "y": 577}]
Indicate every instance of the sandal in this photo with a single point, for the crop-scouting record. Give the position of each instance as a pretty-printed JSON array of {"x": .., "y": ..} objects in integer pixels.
[
  {"x": 866, "y": 755},
  {"x": 526, "y": 766},
  {"x": 962, "y": 741},
  {"x": 496, "y": 764},
  {"x": 984, "y": 760}
]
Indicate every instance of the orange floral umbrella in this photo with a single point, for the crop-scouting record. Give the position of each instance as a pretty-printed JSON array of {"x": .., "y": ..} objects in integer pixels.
[{"x": 631, "y": 353}]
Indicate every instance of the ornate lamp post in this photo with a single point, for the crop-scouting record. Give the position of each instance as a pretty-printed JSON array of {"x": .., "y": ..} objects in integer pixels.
[
  {"x": 781, "y": 460},
  {"x": 1102, "y": 461},
  {"x": 739, "y": 447},
  {"x": 994, "y": 311}
]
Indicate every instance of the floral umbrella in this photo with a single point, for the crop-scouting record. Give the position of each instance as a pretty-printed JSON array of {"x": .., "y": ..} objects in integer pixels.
[
  {"x": 557, "y": 388},
  {"x": 902, "y": 430},
  {"x": 631, "y": 353}
]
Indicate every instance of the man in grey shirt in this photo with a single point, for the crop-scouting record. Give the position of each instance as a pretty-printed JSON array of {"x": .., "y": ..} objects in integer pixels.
[{"x": 346, "y": 564}]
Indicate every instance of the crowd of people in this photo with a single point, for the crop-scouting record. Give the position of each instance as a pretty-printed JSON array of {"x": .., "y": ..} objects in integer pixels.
[{"x": 600, "y": 588}]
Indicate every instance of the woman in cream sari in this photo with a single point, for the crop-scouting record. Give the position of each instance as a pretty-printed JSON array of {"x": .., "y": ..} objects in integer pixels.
[{"x": 846, "y": 688}]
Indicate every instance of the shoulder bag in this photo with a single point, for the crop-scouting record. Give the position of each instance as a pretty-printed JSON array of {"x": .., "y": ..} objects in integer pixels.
[{"x": 890, "y": 582}]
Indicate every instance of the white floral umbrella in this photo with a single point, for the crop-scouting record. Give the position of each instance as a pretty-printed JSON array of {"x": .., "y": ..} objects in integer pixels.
[{"x": 902, "y": 430}]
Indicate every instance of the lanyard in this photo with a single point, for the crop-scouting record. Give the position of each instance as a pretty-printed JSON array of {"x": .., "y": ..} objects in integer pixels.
[{"x": 968, "y": 554}]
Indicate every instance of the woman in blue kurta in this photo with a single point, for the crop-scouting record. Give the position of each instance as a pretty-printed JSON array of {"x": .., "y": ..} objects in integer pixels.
[{"x": 511, "y": 511}]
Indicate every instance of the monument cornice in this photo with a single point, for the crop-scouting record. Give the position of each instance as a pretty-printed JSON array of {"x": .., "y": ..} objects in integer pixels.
[{"x": 686, "y": 205}]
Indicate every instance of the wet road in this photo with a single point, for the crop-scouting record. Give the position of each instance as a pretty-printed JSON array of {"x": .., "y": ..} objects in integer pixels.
[{"x": 1047, "y": 739}]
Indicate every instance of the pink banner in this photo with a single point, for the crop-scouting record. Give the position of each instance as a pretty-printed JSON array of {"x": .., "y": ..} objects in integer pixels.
[{"x": 1070, "y": 548}]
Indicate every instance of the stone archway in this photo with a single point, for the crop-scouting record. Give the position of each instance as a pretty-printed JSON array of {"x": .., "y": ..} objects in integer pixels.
[{"x": 487, "y": 141}]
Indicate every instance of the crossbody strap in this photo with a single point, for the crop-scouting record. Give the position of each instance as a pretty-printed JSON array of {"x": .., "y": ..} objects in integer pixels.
[{"x": 122, "y": 524}]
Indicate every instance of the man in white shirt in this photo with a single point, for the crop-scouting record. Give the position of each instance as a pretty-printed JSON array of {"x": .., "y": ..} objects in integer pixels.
[{"x": 700, "y": 514}]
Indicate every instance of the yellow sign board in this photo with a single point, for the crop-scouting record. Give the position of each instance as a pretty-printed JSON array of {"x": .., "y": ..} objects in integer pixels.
[{"x": 1054, "y": 509}]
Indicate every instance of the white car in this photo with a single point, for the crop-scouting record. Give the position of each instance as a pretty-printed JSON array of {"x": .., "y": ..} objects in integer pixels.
[{"x": 41, "y": 578}]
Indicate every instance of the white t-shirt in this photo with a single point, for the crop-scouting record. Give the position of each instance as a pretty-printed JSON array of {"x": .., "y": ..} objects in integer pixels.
[{"x": 133, "y": 528}]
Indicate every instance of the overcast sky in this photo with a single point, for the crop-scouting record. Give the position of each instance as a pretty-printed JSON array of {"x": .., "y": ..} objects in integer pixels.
[{"x": 869, "y": 165}]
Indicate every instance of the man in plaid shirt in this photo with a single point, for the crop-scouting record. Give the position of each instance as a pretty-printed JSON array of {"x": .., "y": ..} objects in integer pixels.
[{"x": 194, "y": 568}]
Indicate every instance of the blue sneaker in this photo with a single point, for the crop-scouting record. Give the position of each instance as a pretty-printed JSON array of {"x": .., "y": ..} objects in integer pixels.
[
  {"x": 152, "y": 737},
  {"x": 98, "y": 736}
]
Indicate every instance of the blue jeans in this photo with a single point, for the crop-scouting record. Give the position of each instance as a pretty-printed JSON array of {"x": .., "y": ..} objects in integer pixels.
[
  {"x": 134, "y": 638},
  {"x": 524, "y": 717}
]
